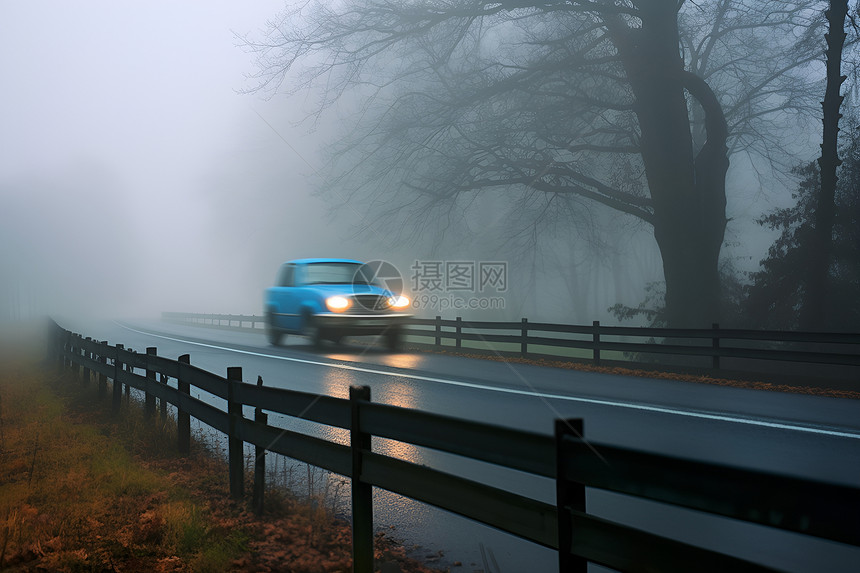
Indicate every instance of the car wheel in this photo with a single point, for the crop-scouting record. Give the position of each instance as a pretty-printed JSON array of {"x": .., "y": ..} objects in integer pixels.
[
  {"x": 311, "y": 329},
  {"x": 394, "y": 340},
  {"x": 273, "y": 334}
]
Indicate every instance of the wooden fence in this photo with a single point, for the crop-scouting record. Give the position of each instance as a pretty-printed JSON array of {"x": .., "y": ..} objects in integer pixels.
[
  {"x": 808, "y": 507},
  {"x": 712, "y": 345}
]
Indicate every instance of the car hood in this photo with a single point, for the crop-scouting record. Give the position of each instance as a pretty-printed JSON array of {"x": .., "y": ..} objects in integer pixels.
[{"x": 349, "y": 289}]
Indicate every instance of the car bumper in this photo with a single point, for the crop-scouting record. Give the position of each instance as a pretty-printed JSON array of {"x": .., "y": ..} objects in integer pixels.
[{"x": 360, "y": 323}]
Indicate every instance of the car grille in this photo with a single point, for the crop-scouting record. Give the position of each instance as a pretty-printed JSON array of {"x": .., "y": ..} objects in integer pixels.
[{"x": 369, "y": 303}]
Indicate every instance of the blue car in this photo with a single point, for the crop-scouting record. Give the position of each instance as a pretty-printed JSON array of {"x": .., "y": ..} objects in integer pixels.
[{"x": 327, "y": 299}]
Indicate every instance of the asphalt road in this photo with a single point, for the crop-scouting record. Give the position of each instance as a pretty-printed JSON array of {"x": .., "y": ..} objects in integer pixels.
[{"x": 795, "y": 434}]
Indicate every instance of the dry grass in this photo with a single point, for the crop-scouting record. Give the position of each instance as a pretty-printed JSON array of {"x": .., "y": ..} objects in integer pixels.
[
  {"x": 83, "y": 490},
  {"x": 75, "y": 496}
]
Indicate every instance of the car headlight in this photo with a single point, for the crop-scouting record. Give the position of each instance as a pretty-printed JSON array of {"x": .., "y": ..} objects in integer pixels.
[
  {"x": 398, "y": 302},
  {"x": 338, "y": 303}
]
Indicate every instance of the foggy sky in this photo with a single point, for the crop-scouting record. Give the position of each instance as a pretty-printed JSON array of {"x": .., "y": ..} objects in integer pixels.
[{"x": 133, "y": 177}]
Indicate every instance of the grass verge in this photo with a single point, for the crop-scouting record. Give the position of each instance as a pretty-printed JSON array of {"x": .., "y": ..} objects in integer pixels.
[{"x": 84, "y": 490}]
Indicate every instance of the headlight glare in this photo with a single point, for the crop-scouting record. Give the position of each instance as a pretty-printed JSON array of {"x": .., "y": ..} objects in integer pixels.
[
  {"x": 338, "y": 303},
  {"x": 398, "y": 302}
]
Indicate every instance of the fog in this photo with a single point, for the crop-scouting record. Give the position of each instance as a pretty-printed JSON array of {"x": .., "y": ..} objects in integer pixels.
[{"x": 135, "y": 178}]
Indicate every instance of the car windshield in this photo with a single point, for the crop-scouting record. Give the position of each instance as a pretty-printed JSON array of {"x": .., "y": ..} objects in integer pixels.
[{"x": 332, "y": 273}]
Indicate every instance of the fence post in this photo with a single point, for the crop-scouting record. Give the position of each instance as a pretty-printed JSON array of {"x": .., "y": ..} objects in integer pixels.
[
  {"x": 117, "y": 385},
  {"x": 524, "y": 332},
  {"x": 102, "y": 376},
  {"x": 362, "y": 493},
  {"x": 79, "y": 353},
  {"x": 596, "y": 339},
  {"x": 73, "y": 368},
  {"x": 72, "y": 352},
  {"x": 235, "y": 462},
  {"x": 260, "y": 417},
  {"x": 438, "y": 330},
  {"x": 569, "y": 496},
  {"x": 127, "y": 387},
  {"x": 67, "y": 349},
  {"x": 149, "y": 398},
  {"x": 715, "y": 344},
  {"x": 65, "y": 361},
  {"x": 183, "y": 418},
  {"x": 67, "y": 355},
  {"x": 85, "y": 354},
  {"x": 459, "y": 342},
  {"x": 70, "y": 359},
  {"x": 82, "y": 368},
  {"x": 162, "y": 403}
]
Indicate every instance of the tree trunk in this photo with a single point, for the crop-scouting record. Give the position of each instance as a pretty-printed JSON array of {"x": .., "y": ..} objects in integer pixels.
[
  {"x": 688, "y": 192},
  {"x": 814, "y": 307}
]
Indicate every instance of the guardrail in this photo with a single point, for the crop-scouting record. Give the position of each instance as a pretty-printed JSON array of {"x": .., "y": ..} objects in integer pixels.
[
  {"x": 808, "y": 507},
  {"x": 715, "y": 344}
]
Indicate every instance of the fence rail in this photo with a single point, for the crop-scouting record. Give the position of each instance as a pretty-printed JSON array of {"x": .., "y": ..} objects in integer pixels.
[
  {"x": 808, "y": 507},
  {"x": 715, "y": 345}
]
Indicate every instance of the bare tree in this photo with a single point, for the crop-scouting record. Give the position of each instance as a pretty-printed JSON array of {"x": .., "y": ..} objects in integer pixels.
[
  {"x": 814, "y": 316},
  {"x": 555, "y": 106}
]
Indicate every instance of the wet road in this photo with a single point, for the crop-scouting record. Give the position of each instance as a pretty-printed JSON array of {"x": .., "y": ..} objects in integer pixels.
[{"x": 807, "y": 436}]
